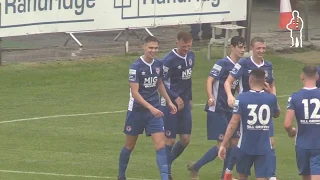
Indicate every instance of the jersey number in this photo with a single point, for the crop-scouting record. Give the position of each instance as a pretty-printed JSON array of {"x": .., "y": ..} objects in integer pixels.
[
  {"x": 259, "y": 116},
  {"x": 316, "y": 109}
]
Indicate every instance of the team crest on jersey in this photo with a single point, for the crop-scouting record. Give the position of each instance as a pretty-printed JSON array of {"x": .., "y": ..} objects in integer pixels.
[
  {"x": 190, "y": 62},
  {"x": 266, "y": 73},
  {"x": 221, "y": 136},
  {"x": 158, "y": 70},
  {"x": 179, "y": 67},
  {"x": 168, "y": 133},
  {"x": 128, "y": 128}
]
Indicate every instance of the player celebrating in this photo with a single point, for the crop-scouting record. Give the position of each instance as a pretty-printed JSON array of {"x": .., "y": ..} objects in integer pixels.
[
  {"x": 145, "y": 78},
  {"x": 318, "y": 81},
  {"x": 305, "y": 106},
  {"x": 177, "y": 67},
  {"x": 253, "y": 109},
  {"x": 218, "y": 111},
  {"x": 241, "y": 71}
]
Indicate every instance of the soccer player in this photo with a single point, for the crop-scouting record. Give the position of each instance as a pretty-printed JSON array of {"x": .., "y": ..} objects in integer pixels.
[
  {"x": 218, "y": 111},
  {"x": 145, "y": 79},
  {"x": 177, "y": 67},
  {"x": 318, "y": 78},
  {"x": 304, "y": 105},
  {"x": 241, "y": 71},
  {"x": 254, "y": 110}
]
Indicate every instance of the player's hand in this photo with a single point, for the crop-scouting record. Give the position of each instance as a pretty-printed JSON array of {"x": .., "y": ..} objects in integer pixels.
[
  {"x": 222, "y": 152},
  {"x": 267, "y": 88},
  {"x": 172, "y": 107},
  {"x": 180, "y": 103},
  {"x": 292, "y": 133},
  {"x": 156, "y": 112},
  {"x": 211, "y": 102},
  {"x": 231, "y": 101}
]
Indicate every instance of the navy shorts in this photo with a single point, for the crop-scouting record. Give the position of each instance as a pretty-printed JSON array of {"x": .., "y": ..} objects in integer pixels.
[
  {"x": 217, "y": 124},
  {"x": 179, "y": 123},
  {"x": 308, "y": 161},
  {"x": 262, "y": 164},
  {"x": 138, "y": 121}
]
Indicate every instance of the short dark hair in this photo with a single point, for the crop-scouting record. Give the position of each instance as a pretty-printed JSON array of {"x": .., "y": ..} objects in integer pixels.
[
  {"x": 310, "y": 71},
  {"x": 185, "y": 36},
  {"x": 150, "y": 39},
  {"x": 257, "y": 39},
  {"x": 237, "y": 40},
  {"x": 259, "y": 75}
]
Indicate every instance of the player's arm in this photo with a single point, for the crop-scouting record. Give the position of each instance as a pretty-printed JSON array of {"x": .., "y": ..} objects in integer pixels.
[
  {"x": 137, "y": 96},
  {"x": 235, "y": 73},
  {"x": 210, "y": 81},
  {"x": 289, "y": 118},
  {"x": 234, "y": 122},
  {"x": 167, "y": 72},
  {"x": 273, "y": 88},
  {"x": 214, "y": 75},
  {"x": 165, "y": 95},
  {"x": 232, "y": 126},
  {"x": 134, "y": 86},
  {"x": 228, "y": 84},
  {"x": 276, "y": 111}
]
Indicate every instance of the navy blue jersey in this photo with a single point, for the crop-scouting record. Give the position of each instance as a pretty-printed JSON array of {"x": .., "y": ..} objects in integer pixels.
[
  {"x": 220, "y": 72},
  {"x": 177, "y": 72},
  {"x": 318, "y": 82},
  {"x": 256, "y": 110},
  {"x": 306, "y": 105},
  {"x": 243, "y": 68},
  {"x": 147, "y": 76}
]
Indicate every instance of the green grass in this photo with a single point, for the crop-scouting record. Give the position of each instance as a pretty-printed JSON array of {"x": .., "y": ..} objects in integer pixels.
[{"x": 90, "y": 145}]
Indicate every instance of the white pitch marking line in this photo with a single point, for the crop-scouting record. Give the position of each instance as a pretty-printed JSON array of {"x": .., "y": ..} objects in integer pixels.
[
  {"x": 84, "y": 114},
  {"x": 66, "y": 175}
]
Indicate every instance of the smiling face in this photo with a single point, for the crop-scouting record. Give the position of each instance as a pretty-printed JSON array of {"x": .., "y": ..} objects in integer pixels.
[
  {"x": 258, "y": 47},
  {"x": 183, "y": 47},
  {"x": 238, "y": 50},
  {"x": 150, "y": 49}
]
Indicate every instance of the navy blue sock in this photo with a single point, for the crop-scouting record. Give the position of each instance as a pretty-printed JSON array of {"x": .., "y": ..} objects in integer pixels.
[
  {"x": 233, "y": 157},
  {"x": 177, "y": 149},
  {"x": 226, "y": 162},
  {"x": 274, "y": 162},
  {"x": 162, "y": 163},
  {"x": 210, "y": 155},
  {"x": 169, "y": 157},
  {"x": 123, "y": 162}
]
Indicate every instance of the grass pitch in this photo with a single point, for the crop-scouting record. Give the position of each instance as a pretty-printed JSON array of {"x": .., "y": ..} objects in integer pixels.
[{"x": 94, "y": 94}]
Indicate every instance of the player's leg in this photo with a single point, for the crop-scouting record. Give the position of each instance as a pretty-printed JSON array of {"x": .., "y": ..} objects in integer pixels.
[
  {"x": 315, "y": 164},
  {"x": 244, "y": 165},
  {"x": 133, "y": 127},
  {"x": 263, "y": 166},
  {"x": 170, "y": 126},
  {"x": 303, "y": 163},
  {"x": 216, "y": 127},
  {"x": 184, "y": 126},
  {"x": 234, "y": 152},
  {"x": 155, "y": 128},
  {"x": 273, "y": 152}
]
